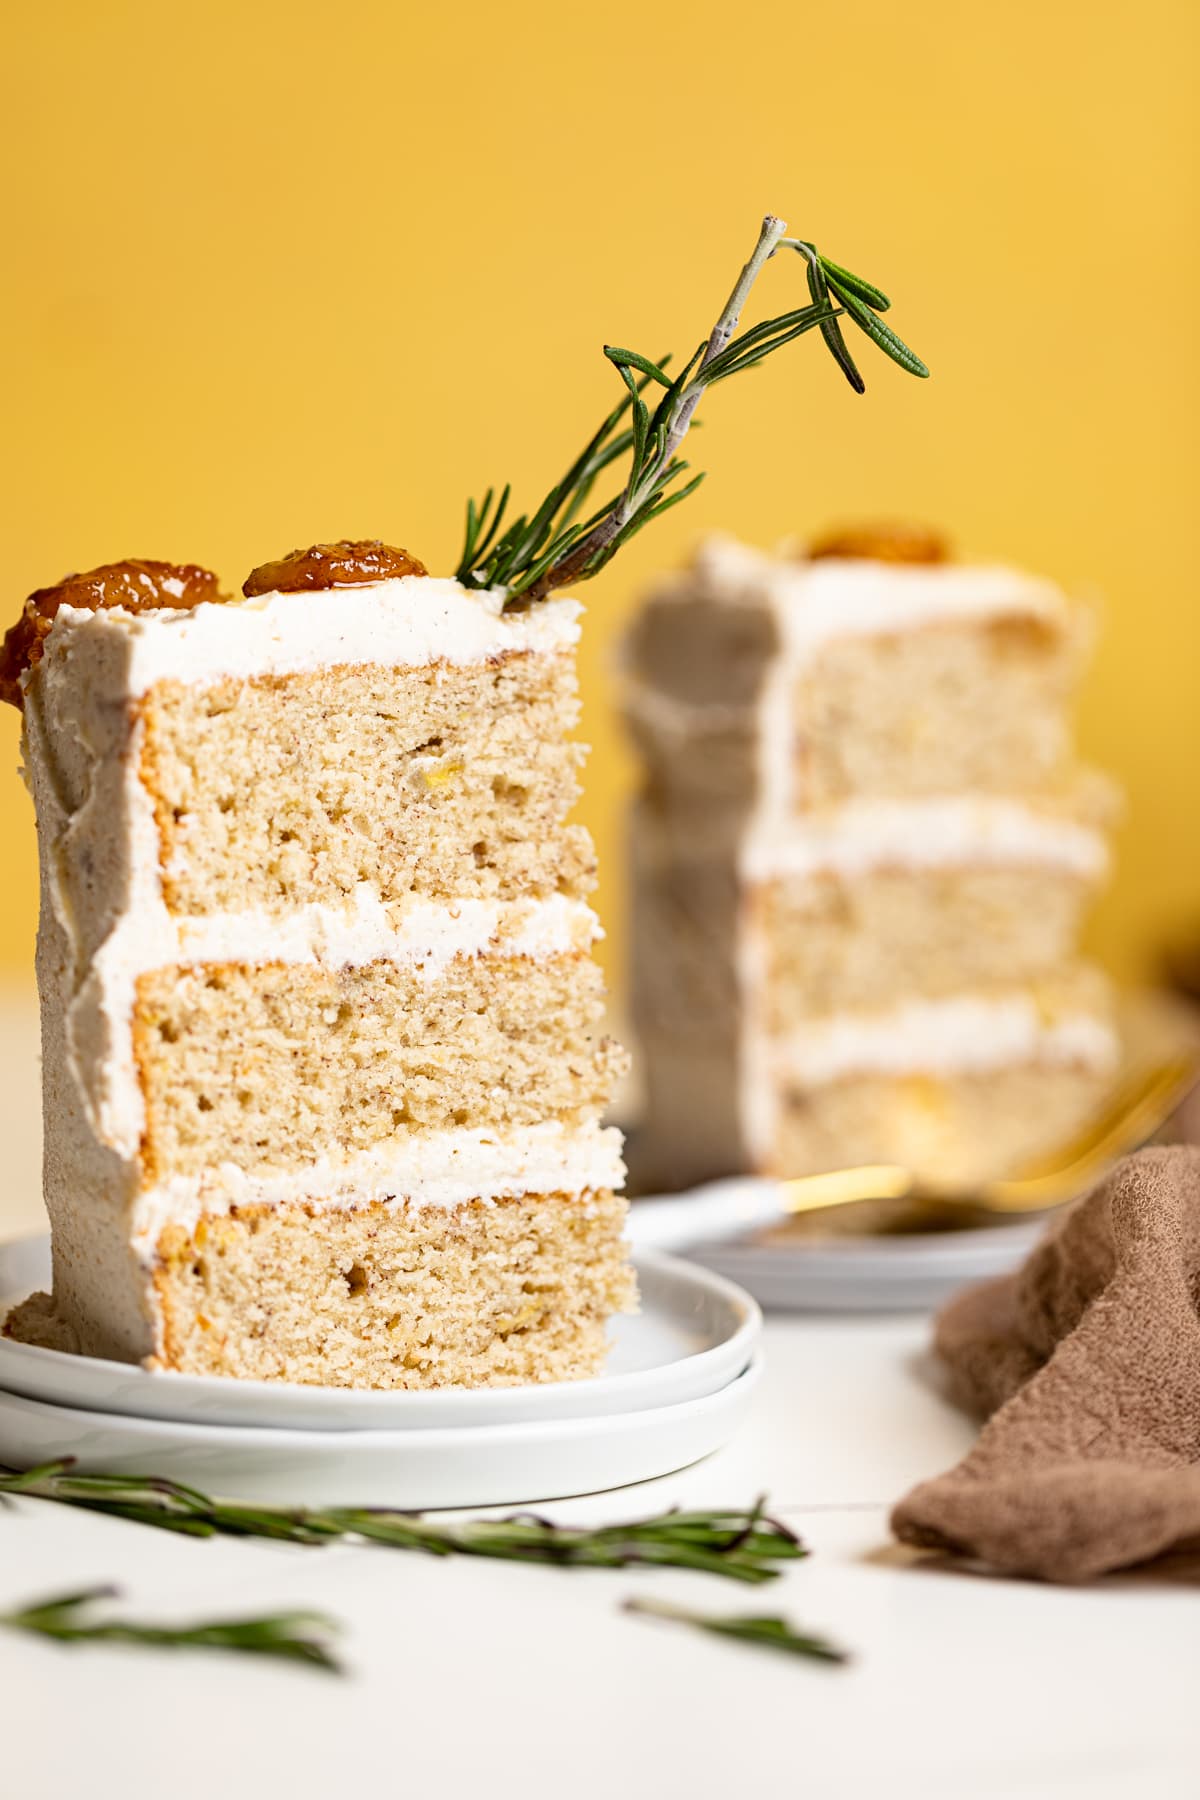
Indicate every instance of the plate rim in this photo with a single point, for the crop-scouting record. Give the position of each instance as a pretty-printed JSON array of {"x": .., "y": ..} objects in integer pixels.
[{"x": 417, "y": 1440}]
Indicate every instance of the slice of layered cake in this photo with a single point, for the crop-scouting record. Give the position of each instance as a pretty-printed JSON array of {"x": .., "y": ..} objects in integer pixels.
[
  {"x": 862, "y": 852},
  {"x": 322, "y": 1072}
]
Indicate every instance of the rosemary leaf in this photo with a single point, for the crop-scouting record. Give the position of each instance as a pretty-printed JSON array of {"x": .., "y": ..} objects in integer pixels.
[
  {"x": 542, "y": 552},
  {"x": 771, "y": 1632},
  {"x": 629, "y": 359},
  {"x": 291, "y": 1636},
  {"x": 831, "y": 331},
  {"x": 876, "y": 330},
  {"x": 741, "y": 1544},
  {"x": 865, "y": 290},
  {"x": 753, "y": 346}
]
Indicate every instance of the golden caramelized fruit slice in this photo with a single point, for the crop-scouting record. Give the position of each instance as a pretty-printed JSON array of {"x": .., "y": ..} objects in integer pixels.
[
  {"x": 352, "y": 563},
  {"x": 134, "y": 585},
  {"x": 881, "y": 543}
]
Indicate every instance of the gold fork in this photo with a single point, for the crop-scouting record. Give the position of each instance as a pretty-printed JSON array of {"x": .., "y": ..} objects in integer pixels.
[{"x": 1135, "y": 1110}]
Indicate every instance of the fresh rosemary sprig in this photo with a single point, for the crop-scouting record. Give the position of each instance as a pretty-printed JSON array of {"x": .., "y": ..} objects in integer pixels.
[
  {"x": 743, "y": 1545},
  {"x": 556, "y": 545},
  {"x": 771, "y": 1632},
  {"x": 293, "y": 1636}
]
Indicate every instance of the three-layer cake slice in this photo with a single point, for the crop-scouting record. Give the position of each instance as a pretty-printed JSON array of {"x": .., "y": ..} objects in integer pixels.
[{"x": 321, "y": 1026}]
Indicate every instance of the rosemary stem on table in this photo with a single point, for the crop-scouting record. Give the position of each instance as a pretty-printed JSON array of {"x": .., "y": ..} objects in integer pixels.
[
  {"x": 70, "y": 1619},
  {"x": 769, "y": 1631},
  {"x": 741, "y": 1544}
]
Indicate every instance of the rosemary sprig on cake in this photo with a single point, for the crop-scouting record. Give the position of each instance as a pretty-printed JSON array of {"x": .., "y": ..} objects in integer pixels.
[
  {"x": 768, "y": 1630},
  {"x": 742, "y": 1544},
  {"x": 69, "y": 1619},
  {"x": 560, "y": 543}
]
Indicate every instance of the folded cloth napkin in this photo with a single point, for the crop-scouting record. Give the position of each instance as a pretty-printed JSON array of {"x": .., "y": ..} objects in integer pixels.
[{"x": 1088, "y": 1362}]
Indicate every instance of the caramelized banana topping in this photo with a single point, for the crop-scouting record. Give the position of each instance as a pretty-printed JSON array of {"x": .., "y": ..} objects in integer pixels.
[
  {"x": 882, "y": 543},
  {"x": 134, "y": 585},
  {"x": 352, "y": 563}
]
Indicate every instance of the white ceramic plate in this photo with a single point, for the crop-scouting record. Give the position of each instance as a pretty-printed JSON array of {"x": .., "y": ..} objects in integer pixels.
[
  {"x": 909, "y": 1273},
  {"x": 416, "y": 1470},
  {"x": 695, "y": 1333},
  {"x": 718, "y": 1225}
]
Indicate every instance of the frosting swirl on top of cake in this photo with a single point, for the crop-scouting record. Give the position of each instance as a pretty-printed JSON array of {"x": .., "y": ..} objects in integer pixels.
[{"x": 136, "y": 585}]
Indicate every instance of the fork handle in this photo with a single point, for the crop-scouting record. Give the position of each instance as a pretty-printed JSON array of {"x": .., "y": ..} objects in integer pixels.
[{"x": 847, "y": 1187}]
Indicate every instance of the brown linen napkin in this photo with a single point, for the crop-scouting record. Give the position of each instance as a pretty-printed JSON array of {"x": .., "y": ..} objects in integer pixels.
[{"x": 1088, "y": 1362}]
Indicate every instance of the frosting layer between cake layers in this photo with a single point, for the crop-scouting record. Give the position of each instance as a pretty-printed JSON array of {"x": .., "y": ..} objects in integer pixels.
[
  {"x": 967, "y": 1034},
  {"x": 438, "y": 1169},
  {"x": 938, "y": 832}
]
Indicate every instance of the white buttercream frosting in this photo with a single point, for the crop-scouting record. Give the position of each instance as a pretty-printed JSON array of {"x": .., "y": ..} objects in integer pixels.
[
  {"x": 430, "y": 933},
  {"x": 964, "y": 1035},
  {"x": 945, "y": 831},
  {"x": 410, "y": 621},
  {"x": 427, "y": 1168}
]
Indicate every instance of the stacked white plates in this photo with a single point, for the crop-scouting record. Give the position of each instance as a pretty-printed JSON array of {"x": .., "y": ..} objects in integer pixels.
[{"x": 678, "y": 1383}]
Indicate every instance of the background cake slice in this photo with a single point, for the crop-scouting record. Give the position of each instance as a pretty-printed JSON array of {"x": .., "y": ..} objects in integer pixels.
[
  {"x": 321, "y": 1026},
  {"x": 862, "y": 853}
]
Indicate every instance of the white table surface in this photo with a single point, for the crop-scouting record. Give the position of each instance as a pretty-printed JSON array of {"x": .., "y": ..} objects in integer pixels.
[{"x": 485, "y": 1679}]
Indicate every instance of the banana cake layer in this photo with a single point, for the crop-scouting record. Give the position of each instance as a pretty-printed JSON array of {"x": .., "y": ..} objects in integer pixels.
[
  {"x": 489, "y": 1291},
  {"x": 267, "y": 1067},
  {"x": 269, "y": 788}
]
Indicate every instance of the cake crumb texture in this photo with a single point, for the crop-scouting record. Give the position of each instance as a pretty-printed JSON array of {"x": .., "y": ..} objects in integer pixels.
[
  {"x": 954, "y": 1131},
  {"x": 273, "y": 1066},
  {"x": 945, "y": 708},
  {"x": 38, "y": 1321},
  {"x": 441, "y": 781},
  {"x": 490, "y": 1294}
]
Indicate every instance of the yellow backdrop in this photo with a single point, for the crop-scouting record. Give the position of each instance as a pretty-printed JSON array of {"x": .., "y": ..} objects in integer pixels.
[{"x": 286, "y": 271}]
